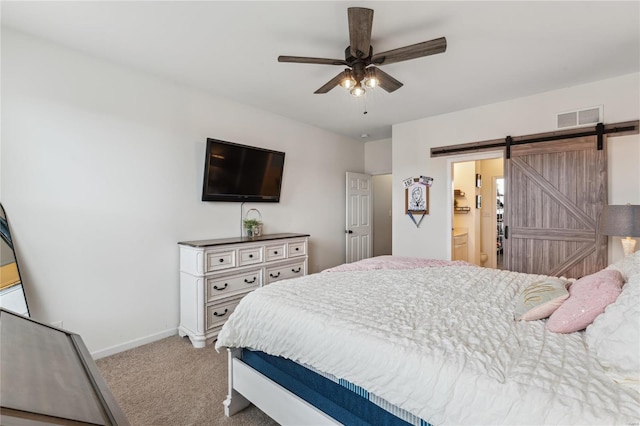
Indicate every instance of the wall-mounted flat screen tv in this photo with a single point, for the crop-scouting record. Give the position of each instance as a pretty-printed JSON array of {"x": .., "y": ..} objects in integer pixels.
[{"x": 234, "y": 172}]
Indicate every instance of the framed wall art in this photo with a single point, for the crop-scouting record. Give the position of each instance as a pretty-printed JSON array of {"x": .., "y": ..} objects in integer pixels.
[{"x": 416, "y": 198}]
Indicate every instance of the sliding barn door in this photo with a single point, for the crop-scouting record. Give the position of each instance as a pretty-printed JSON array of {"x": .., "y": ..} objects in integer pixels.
[{"x": 554, "y": 195}]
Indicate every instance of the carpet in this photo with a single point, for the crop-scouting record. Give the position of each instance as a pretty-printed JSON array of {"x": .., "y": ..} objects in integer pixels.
[{"x": 169, "y": 382}]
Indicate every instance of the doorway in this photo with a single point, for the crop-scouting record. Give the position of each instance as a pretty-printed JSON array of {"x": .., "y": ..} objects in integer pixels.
[
  {"x": 382, "y": 214},
  {"x": 474, "y": 213}
]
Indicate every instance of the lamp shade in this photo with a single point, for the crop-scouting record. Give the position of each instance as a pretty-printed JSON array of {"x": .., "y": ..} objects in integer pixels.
[{"x": 620, "y": 221}]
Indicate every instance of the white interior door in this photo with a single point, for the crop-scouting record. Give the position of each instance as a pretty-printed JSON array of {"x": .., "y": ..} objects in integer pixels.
[{"x": 358, "y": 222}]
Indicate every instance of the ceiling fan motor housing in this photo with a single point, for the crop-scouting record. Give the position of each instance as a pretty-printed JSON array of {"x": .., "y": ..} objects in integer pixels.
[{"x": 358, "y": 65}]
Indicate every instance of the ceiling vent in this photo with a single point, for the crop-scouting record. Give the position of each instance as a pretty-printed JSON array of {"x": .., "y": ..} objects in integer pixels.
[{"x": 583, "y": 117}]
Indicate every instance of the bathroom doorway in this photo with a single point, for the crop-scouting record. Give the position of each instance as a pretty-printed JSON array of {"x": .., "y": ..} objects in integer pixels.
[{"x": 474, "y": 213}]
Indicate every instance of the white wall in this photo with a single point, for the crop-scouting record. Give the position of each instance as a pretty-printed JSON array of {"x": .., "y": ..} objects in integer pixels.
[
  {"x": 102, "y": 173},
  {"x": 532, "y": 114},
  {"x": 377, "y": 157}
]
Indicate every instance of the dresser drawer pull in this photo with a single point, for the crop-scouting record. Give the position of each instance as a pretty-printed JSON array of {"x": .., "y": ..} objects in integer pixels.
[
  {"x": 220, "y": 260},
  {"x": 252, "y": 281},
  {"x": 297, "y": 248},
  {"x": 295, "y": 271},
  {"x": 215, "y": 287},
  {"x": 274, "y": 276},
  {"x": 222, "y": 314},
  {"x": 275, "y": 252},
  {"x": 250, "y": 256}
]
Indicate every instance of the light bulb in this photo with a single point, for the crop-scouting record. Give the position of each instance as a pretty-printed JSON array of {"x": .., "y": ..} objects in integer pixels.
[
  {"x": 348, "y": 81},
  {"x": 370, "y": 79},
  {"x": 357, "y": 91}
]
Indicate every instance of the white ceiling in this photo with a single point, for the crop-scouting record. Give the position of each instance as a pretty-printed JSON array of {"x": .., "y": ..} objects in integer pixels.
[{"x": 496, "y": 50}]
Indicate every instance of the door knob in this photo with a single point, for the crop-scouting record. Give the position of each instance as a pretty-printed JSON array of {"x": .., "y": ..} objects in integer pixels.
[{"x": 348, "y": 231}]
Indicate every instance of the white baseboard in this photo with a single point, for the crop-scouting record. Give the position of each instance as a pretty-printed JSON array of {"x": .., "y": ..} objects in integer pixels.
[{"x": 134, "y": 343}]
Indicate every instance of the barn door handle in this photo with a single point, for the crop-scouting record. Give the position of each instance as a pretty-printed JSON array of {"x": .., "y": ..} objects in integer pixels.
[
  {"x": 506, "y": 232},
  {"x": 348, "y": 231}
]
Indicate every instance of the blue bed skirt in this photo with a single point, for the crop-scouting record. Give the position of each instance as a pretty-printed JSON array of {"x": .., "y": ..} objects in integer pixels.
[{"x": 345, "y": 402}]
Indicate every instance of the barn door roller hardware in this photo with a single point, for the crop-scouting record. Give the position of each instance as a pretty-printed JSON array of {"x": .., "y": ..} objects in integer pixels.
[{"x": 599, "y": 130}]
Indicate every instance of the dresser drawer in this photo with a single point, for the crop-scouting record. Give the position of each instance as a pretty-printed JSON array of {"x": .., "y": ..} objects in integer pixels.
[
  {"x": 218, "y": 313},
  {"x": 298, "y": 248},
  {"x": 275, "y": 252},
  {"x": 249, "y": 256},
  {"x": 217, "y": 260},
  {"x": 227, "y": 286},
  {"x": 282, "y": 272}
]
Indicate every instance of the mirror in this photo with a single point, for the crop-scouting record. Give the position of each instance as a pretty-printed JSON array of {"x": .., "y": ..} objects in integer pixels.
[{"x": 12, "y": 295}]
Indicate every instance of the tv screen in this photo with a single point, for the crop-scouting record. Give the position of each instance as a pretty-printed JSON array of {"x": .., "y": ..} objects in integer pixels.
[{"x": 235, "y": 172}]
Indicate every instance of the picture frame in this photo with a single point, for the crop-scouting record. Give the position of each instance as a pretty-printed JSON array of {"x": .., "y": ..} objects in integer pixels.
[{"x": 416, "y": 198}]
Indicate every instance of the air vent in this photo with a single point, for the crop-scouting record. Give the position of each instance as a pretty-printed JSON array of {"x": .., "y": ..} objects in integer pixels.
[{"x": 583, "y": 117}]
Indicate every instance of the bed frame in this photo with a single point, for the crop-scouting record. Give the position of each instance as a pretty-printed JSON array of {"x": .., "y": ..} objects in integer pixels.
[{"x": 248, "y": 386}]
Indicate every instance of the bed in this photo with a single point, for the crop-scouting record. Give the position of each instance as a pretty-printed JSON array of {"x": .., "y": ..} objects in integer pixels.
[{"x": 435, "y": 342}]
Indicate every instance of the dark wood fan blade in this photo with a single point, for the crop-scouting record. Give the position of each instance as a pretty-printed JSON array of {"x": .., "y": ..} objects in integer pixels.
[
  {"x": 306, "y": 60},
  {"x": 330, "y": 84},
  {"x": 360, "y": 24},
  {"x": 413, "y": 51},
  {"x": 387, "y": 82}
]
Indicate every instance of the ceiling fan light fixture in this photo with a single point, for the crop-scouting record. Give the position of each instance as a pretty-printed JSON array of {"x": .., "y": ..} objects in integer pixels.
[
  {"x": 348, "y": 82},
  {"x": 370, "y": 79},
  {"x": 357, "y": 90}
]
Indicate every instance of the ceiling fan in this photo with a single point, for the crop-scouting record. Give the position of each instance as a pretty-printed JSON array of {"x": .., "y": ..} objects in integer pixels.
[{"x": 362, "y": 71}]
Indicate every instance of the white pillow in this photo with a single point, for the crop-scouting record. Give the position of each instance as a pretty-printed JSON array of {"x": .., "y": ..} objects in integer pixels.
[
  {"x": 614, "y": 336},
  {"x": 628, "y": 266},
  {"x": 540, "y": 299}
]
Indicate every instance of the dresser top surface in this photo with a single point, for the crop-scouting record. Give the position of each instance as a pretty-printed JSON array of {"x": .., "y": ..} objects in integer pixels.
[{"x": 237, "y": 240}]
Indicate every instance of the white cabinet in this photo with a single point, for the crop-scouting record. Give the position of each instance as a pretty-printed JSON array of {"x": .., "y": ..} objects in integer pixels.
[
  {"x": 216, "y": 274},
  {"x": 460, "y": 248}
]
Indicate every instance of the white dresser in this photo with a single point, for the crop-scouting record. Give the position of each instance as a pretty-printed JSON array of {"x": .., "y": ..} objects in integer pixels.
[{"x": 216, "y": 274}]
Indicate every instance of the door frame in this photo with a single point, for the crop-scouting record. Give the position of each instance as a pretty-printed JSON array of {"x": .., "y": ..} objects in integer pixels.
[{"x": 462, "y": 158}]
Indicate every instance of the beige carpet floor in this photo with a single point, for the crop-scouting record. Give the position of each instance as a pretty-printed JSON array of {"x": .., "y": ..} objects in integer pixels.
[{"x": 169, "y": 382}]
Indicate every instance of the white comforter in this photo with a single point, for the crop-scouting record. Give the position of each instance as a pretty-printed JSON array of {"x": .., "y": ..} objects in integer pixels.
[{"x": 439, "y": 342}]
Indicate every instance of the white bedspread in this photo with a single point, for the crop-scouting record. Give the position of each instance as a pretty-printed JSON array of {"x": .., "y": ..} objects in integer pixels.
[{"x": 439, "y": 342}]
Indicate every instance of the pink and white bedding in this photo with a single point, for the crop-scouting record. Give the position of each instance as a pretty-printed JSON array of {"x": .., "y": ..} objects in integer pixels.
[{"x": 440, "y": 342}]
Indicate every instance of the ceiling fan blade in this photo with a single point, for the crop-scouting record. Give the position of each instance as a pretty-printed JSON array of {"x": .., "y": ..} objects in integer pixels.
[
  {"x": 360, "y": 24},
  {"x": 413, "y": 51},
  {"x": 306, "y": 60},
  {"x": 330, "y": 84},
  {"x": 385, "y": 81}
]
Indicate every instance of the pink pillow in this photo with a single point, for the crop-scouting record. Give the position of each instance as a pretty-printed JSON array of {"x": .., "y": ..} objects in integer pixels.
[{"x": 588, "y": 297}]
